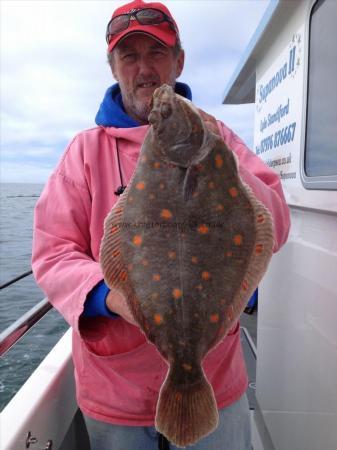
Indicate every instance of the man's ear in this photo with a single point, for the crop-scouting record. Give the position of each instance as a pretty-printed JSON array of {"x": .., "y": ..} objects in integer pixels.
[
  {"x": 112, "y": 67},
  {"x": 180, "y": 63},
  {"x": 114, "y": 73}
]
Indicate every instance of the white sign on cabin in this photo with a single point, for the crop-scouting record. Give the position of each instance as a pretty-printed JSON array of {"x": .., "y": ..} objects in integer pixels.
[{"x": 278, "y": 114}]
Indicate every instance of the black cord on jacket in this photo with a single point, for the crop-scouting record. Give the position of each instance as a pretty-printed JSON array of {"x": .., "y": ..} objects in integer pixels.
[{"x": 121, "y": 188}]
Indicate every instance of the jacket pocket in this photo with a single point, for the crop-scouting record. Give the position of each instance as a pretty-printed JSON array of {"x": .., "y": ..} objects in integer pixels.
[
  {"x": 118, "y": 337},
  {"x": 137, "y": 369}
]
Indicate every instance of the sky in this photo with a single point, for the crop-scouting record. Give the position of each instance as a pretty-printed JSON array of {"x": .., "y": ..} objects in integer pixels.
[{"x": 54, "y": 72}]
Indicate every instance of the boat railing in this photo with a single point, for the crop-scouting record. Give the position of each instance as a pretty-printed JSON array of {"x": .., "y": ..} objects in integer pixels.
[{"x": 11, "y": 335}]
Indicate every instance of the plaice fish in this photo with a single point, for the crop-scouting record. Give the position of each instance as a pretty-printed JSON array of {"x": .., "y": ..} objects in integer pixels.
[{"x": 186, "y": 244}]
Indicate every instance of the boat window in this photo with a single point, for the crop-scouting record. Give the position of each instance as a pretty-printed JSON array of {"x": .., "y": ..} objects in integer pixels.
[{"x": 320, "y": 158}]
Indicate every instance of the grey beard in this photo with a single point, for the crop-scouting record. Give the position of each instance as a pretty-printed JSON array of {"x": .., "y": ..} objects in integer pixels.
[{"x": 140, "y": 111}]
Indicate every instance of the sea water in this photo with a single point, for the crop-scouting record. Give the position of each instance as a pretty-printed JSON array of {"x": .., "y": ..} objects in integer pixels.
[{"x": 17, "y": 203}]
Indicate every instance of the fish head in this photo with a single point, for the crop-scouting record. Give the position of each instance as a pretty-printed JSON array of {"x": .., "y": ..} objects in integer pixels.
[{"x": 177, "y": 128}]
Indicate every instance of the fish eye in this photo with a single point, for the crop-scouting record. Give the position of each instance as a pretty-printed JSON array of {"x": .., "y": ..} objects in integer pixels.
[{"x": 166, "y": 110}]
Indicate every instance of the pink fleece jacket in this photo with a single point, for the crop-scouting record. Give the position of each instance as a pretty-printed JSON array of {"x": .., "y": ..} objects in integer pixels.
[{"x": 118, "y": 373}]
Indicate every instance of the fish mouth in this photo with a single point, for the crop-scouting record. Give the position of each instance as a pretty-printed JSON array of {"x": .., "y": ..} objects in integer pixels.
[{"x": 161, "y": 106}]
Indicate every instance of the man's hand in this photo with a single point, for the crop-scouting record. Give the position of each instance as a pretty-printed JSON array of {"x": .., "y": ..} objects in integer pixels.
[
  {"x": 116, "y": 303},
  {"x": 210, "y": 122}
]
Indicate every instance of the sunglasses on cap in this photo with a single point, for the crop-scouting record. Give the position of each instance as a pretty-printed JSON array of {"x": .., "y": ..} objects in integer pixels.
[{"x": 146, "y": 16}]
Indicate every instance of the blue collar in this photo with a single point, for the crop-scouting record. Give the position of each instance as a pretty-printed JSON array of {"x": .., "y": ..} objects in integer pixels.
[{"x": 111, "y": 111}]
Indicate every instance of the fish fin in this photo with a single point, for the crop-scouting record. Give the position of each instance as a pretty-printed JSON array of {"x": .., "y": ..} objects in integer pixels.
[
  {"x": 186, "y": 413},
  {"x": 260, "y": 257},
  {"x": 114, "y": 271},
  {"x": 264, "y": 244},
  {"x": 190, "y": 182}
]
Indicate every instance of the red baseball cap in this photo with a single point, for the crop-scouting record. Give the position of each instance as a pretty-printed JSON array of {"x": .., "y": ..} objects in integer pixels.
[{"x": 166, "y": 32}]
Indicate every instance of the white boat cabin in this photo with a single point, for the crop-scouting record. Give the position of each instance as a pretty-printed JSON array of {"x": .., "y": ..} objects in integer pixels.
[{"x": 289, "y": 72}]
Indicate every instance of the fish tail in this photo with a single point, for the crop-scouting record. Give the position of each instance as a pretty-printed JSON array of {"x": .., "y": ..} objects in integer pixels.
[{"x": 186, "y": 413}]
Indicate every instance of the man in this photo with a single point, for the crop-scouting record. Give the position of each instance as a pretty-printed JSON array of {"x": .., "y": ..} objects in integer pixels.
[{"x": 118, "y": 374}]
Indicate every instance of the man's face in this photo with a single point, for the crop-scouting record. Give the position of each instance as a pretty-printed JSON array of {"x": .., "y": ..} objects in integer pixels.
[{"x": 141, "y": 64}]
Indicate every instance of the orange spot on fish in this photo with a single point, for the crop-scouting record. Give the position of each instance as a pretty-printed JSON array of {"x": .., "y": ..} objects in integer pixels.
[
  {"x": 172, "y": 255},
  {"x": 177, "y": 293},
  {"x": 123, "y": 275},
  {"x": 205, "y": 275},
  {"x": 178, "y": 396},
  {"x": 156, "y": 165},
  {"x": 194, "y": 259},
  {"x": 229, "y": 254},
  {"x": 258, "y": 249},
  {"x": 211, "y": 185},
  {"x": 260, "y": 218},
  {"x": 137, "y": 240},
  {"x": 158, "y": 319},
  {"x": 219, "y": 207},
  {"x": 166, "y": 214},
  {"x": 233, "y": 192},
  {"x": 218, "y": 161},
  {"x": 203, "y": 229},
  {"x": 116, "y": 253},
  {"x": 156, "y": 277},
  {"x": 114, "y": 228},
  {"x": 244, "y": 285},
  {"x": 238, "y": 239},
  {"x": 214, "y": 318},
  {"x": 140, "y": 186},
  {"x": 187, "y": 367}
]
